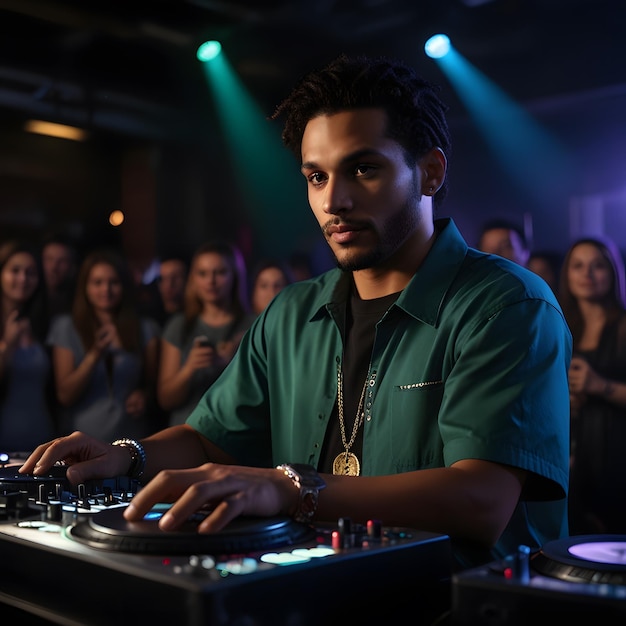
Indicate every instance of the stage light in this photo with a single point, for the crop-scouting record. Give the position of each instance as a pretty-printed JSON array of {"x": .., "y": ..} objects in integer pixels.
[
  {"x": 532, "y": 158},
  {"x": 437, "y": 46},
  {"x": 208, "y": 51},
  {"x": 253, "y": 142}
]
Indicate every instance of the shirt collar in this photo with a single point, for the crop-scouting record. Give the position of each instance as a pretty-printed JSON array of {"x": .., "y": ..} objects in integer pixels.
[
  {"x": 423, "y": 296},
  {"x": 433, "y": 278}
]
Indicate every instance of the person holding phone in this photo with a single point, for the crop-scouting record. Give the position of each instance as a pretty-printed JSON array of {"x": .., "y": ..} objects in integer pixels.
[
  {"x": 199, "y": 342},
  {"x": 105, "y": 354},
  {"x": 26, "y": 402}
]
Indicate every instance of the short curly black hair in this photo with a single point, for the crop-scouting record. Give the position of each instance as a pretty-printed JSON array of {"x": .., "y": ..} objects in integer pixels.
[{"x": 417, "y": 116}]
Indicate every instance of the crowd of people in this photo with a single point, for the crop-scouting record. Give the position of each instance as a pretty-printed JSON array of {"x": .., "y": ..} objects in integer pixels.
[
  {"x": 83, "y": 346},
  {"x": 421, "y": 381}
]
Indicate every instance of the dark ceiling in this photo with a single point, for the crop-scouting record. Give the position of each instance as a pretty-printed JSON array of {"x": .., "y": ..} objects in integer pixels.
[{"x": 130, "y": 67}]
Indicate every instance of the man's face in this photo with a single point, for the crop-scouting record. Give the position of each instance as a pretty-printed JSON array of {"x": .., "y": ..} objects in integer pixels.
[
  {"x": 58, "y": 264},
  {"x": 172, "y": 278},
  {"x": 364, "y": 195},
  {"x": 506, "y": 243}
]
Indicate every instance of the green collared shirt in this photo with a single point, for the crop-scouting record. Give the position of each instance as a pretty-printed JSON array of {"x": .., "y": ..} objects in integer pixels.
[{"x": 470, "y": 362}]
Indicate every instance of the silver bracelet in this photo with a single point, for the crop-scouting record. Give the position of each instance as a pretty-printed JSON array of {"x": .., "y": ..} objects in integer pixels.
[{"x": 137, "y": 456}]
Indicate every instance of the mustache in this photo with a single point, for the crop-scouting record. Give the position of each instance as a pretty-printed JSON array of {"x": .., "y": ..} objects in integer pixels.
[{"x": 343, "y": 223}]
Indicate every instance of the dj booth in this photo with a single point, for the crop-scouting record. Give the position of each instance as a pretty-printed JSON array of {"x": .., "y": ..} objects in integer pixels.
[{"x": 69, "y": 557}]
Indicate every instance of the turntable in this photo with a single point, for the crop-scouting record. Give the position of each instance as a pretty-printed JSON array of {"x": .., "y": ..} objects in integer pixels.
[
  {"x": 70, "y": 557},
  {"x": 582, "y": 576}
]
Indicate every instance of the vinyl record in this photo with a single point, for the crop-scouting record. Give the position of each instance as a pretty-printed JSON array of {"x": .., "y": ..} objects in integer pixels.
[
  {"x": 108, "y": 530},
  {"x": 584, "y": 558}
]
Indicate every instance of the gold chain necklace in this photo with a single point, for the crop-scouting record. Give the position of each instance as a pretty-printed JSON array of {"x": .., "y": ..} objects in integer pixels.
[{"x": 347, "y": 463}]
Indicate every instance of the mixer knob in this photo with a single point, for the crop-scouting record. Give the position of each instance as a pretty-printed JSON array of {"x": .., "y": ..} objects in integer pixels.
[
  {"x": 374, "y": 530},
  {"x": 109, "y": 498},
  {"x": 42, "y": 494},
  {"x": 83, "y": 498},
  {"x": 54, "y": 511}
]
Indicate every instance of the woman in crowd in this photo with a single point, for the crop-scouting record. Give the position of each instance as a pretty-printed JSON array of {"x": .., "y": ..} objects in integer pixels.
[
  {"x": 105, "y": 354},
  {"x": 592, "y": 295},
  {"x": 269, "y": 278},
  {"x": 198, "y": 343},
  {"x": 25, "y": 371}
]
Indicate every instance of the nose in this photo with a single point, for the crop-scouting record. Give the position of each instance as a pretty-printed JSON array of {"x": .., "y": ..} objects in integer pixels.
[{"x": 337, "y": 196}]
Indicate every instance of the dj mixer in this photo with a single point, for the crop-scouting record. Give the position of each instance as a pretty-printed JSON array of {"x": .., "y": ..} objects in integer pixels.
[{"x": 69, "y": 557}]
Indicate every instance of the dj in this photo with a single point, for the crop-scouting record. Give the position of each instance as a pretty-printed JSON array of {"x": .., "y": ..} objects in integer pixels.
[{"x": 424, "y": 380}]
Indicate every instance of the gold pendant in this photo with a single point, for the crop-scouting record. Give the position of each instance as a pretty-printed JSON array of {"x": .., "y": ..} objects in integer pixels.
[{"x": 346, "y": 464}]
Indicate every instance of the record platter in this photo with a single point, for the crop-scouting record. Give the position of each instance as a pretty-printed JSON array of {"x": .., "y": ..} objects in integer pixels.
[
  {"x": 582, "y": 576},
  {"x": 69, "y": 557}
]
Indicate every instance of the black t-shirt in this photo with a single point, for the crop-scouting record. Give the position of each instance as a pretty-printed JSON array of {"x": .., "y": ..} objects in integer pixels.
[{"x": 361, "y": 319}]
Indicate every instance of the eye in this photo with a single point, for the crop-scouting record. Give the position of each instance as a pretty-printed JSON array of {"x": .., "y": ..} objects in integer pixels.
[
  {"x": 316, "y": 179},
  {"x": 364, "y": 170}
]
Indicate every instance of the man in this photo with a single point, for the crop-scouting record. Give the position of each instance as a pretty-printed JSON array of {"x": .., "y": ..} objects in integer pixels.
[
  {"x": 504, "y": 239},
  {"x": 171, "y": 284},
  {"x": 59, "y": 260},
  {"x": 426, "y": 381}
]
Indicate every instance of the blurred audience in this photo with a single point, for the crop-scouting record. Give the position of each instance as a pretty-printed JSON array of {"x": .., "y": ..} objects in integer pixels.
[
  {"x": 173, "y": 271},
  {"x": 198, "y": 343},
  {"x": 547, "y": 265},
  {"x": 505, "y": 239},
  {"x": 26, "y": 413},
  {"x": 269, "y": 277},
  {"x": 59, "y": 257},
  {"x": 104, "y": 354},
  {"x": 592, "y": 296}
]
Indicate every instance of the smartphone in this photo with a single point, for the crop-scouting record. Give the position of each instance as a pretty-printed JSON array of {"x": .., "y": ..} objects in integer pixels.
[{"x": 202, "y": 341}]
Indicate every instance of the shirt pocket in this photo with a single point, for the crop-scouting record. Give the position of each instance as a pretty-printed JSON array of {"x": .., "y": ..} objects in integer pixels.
[{"x": 415, "y": 438}]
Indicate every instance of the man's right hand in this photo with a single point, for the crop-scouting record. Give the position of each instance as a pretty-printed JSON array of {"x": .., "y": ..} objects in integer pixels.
[{"x": 86, "y": 458}]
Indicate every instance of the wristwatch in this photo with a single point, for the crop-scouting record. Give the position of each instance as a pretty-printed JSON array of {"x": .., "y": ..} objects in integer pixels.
[{"x": 309, "y": 482}]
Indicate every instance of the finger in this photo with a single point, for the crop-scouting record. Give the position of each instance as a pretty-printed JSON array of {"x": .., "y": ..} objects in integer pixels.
[
  {"x": 191, "y": 500},
  {"x": 228, "y": 499},
  {"x": 93, "y": 469},
  {"x": 166, "y": 486},
  {"x": 34, "y": 458},
  {"x": 223, "y": 513},
  {"x": 57, "y": 450}
]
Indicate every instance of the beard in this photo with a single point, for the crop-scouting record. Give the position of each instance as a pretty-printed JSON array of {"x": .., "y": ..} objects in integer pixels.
[{"x": 394, "y": 232}]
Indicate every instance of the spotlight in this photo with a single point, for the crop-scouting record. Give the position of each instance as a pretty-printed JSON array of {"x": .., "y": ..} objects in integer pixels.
[
  {"x": 437, "y": 46},
  {"x": 208, "y": 50}
]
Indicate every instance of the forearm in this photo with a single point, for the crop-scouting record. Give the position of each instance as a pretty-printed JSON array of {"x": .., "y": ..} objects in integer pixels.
[
  {"x": 179, "y": 447},
  {"x": 450, "y": 500},
  {"x": 71, "y": 387},
  {"x": 613, "y": 391}
]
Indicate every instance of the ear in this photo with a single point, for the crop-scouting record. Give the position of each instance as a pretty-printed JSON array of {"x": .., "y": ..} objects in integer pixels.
[{"x": 433, "y": 166}]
